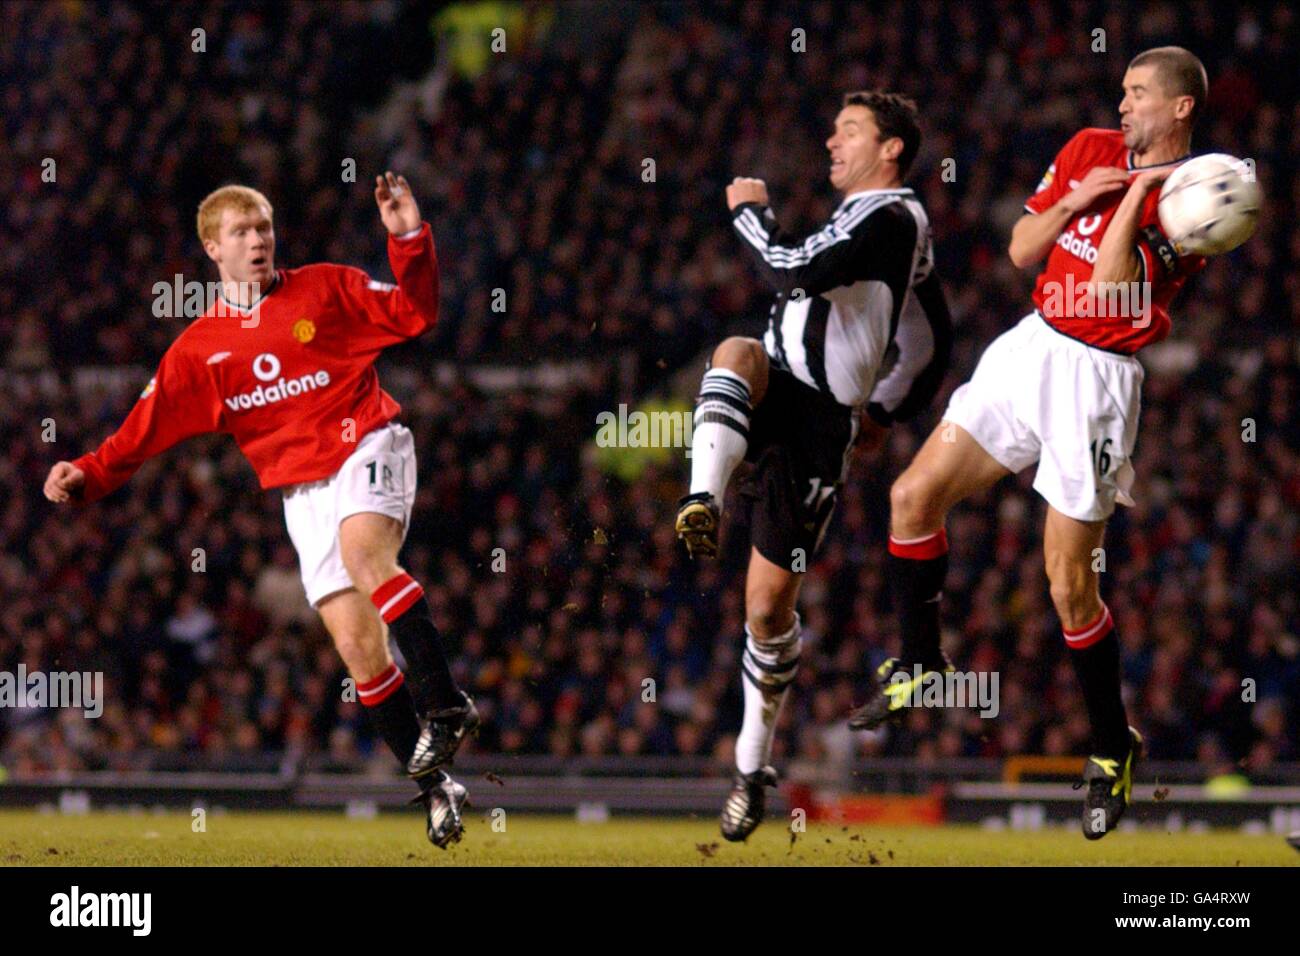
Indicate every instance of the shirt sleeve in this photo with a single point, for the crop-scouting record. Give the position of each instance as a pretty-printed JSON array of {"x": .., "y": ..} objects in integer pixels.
[
  {"x": 838, "y": 254},
  {"x": 1159, "y": 260},
  {"x": 1056, "y": 181},
  {"x": 179, "y": 402},
  {"x": 380, "y": 314}
]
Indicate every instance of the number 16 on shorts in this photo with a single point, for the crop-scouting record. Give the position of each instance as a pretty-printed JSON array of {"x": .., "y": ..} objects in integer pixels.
[{"x": 1101, "y": 456}]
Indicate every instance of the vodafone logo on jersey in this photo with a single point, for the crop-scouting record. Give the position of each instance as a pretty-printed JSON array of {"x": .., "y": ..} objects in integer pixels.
[
  {"x": 1088, "y": 224},
  {"x": 266, "y": 367},
  {"x": 1079, "y": 244}
]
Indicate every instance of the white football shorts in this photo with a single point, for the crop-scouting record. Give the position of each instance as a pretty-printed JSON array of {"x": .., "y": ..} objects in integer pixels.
[
  {"x": 379, "y": 476},
  {"x": 1040, "y": 396}
]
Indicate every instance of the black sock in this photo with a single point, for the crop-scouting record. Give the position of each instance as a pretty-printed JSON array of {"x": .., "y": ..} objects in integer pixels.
[
  {"x": 388, "y": 702},
  {"x": 402, "y": 605},
  {"x": 1096, "y": 665},
  {"x": 916, "y": 571}
]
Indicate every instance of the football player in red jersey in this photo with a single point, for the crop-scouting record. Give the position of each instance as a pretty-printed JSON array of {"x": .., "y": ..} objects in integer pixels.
[
  {"x": 284, "y": 363},
  {"x": 1060, "y": 389}
]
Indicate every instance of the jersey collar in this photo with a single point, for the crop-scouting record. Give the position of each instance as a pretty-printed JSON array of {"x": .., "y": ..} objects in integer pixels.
[
  {"x": 895, "y": 191},
  {"x": 1129, "y": 162},
  {"x": 275, "y": 284}
]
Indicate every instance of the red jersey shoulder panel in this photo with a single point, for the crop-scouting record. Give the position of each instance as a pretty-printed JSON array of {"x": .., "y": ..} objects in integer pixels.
[{"x": 1081, "y": 150}]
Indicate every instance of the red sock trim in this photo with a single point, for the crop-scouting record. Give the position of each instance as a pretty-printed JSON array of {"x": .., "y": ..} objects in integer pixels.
[
  {"x": 395, "y": 596},
  {"x": 920, "y": 549},
  {"x": 378, "y": 689},
  {"x": 1092, "y": 633}
]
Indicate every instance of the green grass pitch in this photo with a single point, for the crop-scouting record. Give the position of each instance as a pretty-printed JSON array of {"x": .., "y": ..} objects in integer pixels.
[{"x": 29, "y": 838}]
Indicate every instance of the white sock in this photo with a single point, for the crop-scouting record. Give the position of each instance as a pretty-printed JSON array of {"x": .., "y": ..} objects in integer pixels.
[
  {"x": 720, "y": 434},
  {"x": 771, "y": 664}
]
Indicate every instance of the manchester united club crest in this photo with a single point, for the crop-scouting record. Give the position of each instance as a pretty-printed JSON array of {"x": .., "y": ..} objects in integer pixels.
[{"x": 304, "y": 330}]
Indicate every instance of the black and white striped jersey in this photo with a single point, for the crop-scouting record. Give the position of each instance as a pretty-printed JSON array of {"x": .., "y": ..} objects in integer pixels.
[{"x": 847, "y": 293}]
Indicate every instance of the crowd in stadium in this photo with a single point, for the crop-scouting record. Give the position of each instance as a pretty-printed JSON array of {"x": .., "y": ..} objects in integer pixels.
[{"x": 533, "y": 172}]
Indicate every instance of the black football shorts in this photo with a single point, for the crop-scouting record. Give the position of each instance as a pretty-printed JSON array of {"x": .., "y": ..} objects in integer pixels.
[{"x": 799, "y": 440}]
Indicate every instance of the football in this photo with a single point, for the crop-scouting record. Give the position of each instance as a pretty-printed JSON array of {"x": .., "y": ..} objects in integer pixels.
[{"x": 1209, "y": 205}]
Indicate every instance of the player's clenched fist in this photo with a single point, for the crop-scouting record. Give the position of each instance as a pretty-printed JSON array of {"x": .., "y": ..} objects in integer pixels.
[
  {"x": 64, "y": 479},
  {"x": 744, "y": 190}
]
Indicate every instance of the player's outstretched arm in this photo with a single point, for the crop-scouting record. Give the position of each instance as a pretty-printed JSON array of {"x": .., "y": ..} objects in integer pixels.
[
  {"x": 381, "y": 314},
  {"x": 64, "y": 480},
  {"x": 179, "y": 402}
]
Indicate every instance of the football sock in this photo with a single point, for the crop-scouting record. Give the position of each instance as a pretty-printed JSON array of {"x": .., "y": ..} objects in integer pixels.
[
  {"x": 402, "y": 605},
  {"x": 720, "y": 434},
  {"x": 767, "y": 667},
  {"x": 388, "y": 702},
  {"x": 916, "y": 568},
  {"x": 1094, "y": 652}
]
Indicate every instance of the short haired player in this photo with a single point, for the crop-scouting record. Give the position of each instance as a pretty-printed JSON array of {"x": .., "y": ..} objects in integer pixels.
[
  {"x": 284, "y": 363},
  {"x": 1060, "y": 389}
]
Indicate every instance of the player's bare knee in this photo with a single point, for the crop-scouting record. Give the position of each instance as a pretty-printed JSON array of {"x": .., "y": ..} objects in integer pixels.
[
  {"x": 368, "y": 545},
  {"x": 368, "y": 571},
  {"x": 914, "y": 507},
  {"x": 745, "y": 357},
  {"x": 768, "y": 616},
  {"x": 364, "y": 578},
  {"x": 737, "y": 353}
]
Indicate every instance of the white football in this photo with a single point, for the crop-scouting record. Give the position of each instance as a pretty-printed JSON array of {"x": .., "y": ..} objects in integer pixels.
[{"x": 1209, "y": 205}]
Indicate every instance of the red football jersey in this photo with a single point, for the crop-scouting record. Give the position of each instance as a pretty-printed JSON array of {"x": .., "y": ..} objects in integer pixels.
[
  {"x": 1132, "y": 320},
  {"x": 292, "y": 380}
]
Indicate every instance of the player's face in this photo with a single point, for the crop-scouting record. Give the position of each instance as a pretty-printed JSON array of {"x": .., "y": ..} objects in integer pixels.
[
  {"x": 245, "y": 246},
  {"x": 855, "y": 147},
  {"x": 1146, "y": 114}
]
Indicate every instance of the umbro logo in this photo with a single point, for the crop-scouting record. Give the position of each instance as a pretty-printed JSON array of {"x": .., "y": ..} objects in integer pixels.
[{"x": 216, "y": 357}]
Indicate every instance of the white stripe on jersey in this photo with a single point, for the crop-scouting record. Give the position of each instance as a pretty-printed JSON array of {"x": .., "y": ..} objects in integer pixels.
[
  {"x": 837, "y": 230},
  {"x": 858, "y": 326},
  {"x": 854, "y": 347},
  {"x": 793, "y": 320}
]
